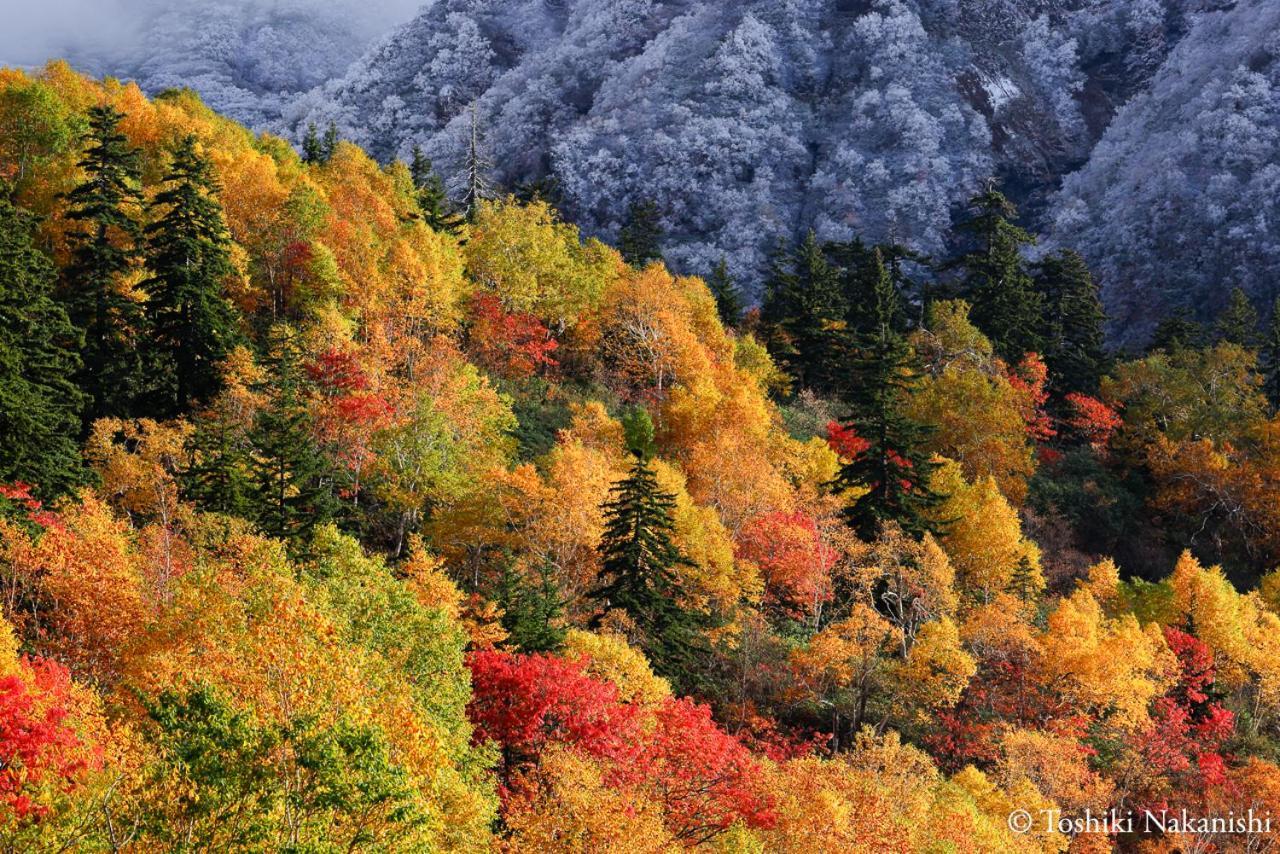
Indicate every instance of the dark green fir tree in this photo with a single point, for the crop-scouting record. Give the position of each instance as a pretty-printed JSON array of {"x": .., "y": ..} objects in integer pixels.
[
  {"x": 894, "y": 471},
  {"x": 1176, "y": 331},
  {"x": 804, "y": 316},
  {"x": 1269, "y": 357},
  {"x": 640, "y": 240},
  {"x": 292, "y": 481},
  {"x": 218, "y": 478},
  {"x": 532, "y": 609},
  {"x": 1022, "y": 584},
  {"x": 429, "y": 192},
  {"x": 727, "y": 295},
  {"x": 1238, "y": 322},
  {"x": 40, "y": 405},
  {"x": 312, "y": 147},
  {"x": 1006, "y": 305},
  {"x": 193, "y": 326},
  {"x": 103, "y": 252},
  {"x": 1074, "y": 337},
  {"x": 329, "y": 144},
  {"x": 858, "y": 267},
  {"x": 640, "y": 559}
]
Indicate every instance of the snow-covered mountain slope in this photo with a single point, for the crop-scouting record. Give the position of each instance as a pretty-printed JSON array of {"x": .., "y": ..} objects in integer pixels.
[
  {"x": 755, "y": 119},
  {"x": 1143, "y": 132},
  {"x": 247, "y": 58},
  {"x": 1180, "y": 200}
]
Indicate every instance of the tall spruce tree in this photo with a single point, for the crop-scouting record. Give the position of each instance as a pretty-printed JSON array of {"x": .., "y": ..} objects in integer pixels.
[
  {"x": 804, "y": 313},
  {"x": 219, "y": 477},
  {"x": 103, "y": 253},
  {"x": 39, "y": 404},
  {"x": 532, "y": 609},
  {"x": 1074, "y": 321},
  {"x": 329, "y": 144},
  {"x": 639, "y": 562},
  {"x": 429, "y": 192},
  {"x": 727, "y": 295},
  {"x": 640, "y": 240},
  {"x": 859, "y": 271},
  {"x": 292, "y": 481},
  {"x": 1238, "y": 322},
  {"x": 312, "y": 147},
  {"x": 1006, "y": 305},
  {"x": 1269, "y": 357},
  {"x": 1176, "y": 331},
  {"x": 894, "y": 470},
  {"x": 193, "y": 326}
]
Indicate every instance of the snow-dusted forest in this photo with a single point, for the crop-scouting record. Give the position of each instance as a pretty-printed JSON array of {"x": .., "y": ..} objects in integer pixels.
[{"x": 1145, "y": 133}]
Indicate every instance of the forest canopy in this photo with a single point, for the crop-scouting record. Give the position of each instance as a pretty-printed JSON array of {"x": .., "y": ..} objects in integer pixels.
[{"x": 340, "y": 513}]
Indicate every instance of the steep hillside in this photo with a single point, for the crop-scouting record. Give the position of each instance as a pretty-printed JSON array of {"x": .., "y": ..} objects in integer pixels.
[
  {"x": 1180, "y": 200},
  {"x": 247, "y": 58},
  {"x": 751, "y": 120},
  {"x": 331, "y": 523}
]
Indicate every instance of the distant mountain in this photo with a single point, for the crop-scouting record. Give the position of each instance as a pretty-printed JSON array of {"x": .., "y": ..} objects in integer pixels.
[
  {"x": 247, "y": 58},
  {"x": 1142, "y": 132},
  {"x": 1180, "y": 200}
]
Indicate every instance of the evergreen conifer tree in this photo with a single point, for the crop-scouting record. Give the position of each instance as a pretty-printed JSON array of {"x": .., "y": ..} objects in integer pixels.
[
  {"x": 640, "y": 559},
  {"x": 894, "y": 469},
  {"x": 39, "y": 404},
  {"x": 218, "y": 478},
  {"x": 433, "y": 202},
  {"x": 329, "y": 144},
  {"x": 292, "y": 481},
  {"x": 804, "y": 312},
  {"x": 543, "y": 189},
  {"x": 1177, "y": 331},
  {"x": 312, "y": 148},
  {"x": 1006, "y": 305},
  {"x": 103, "y": 253},
  {"x": 193, "y": 327},
  {"x": 727, "y": 295},
  {"x": 640, "y": 240},
  {"x": 1022, "y": 583},
  {"x": 1269, "y": 357},
  {"x": 1238, "y": 322},
  {"x": 1074, "y": 337},
  {"x": 859, "y": 272},
  {"x": 532, "y": 611}
]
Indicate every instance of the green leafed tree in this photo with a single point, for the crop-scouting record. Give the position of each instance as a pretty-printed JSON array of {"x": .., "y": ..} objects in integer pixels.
[
  {"x": 804, "y": 315},
  {"x": 429, "y": 192},
  {"x": 228, "y": 790},
  {"x": 640, "y": 240},
  {"x": 105, "y": 204},
  {"x": 40, "y": 406},
  {"x": 1006, "y": 305},
  {"x": 1074, "y": 339},
  {"x": 640, "y": 560},
  {"x": 291, "y": 479},
  {"x": 894, "y": 471},
  {"x": 193, "y": 326}
]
